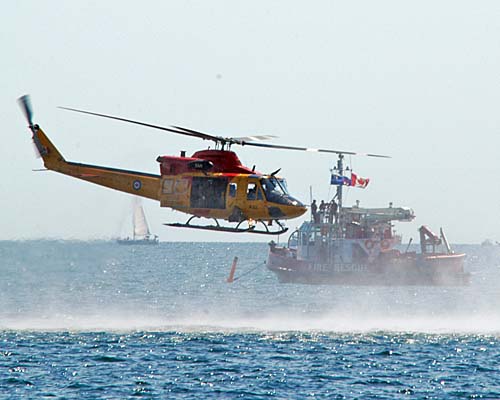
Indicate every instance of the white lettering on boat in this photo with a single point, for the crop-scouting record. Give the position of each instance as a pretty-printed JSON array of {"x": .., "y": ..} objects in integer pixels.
[{"x": 345, "y": 267}]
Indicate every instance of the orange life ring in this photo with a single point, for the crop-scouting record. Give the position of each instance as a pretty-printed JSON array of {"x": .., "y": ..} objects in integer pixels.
[
  {"x": 385, "y": 244},
  {"x": 369, "y": 244}
]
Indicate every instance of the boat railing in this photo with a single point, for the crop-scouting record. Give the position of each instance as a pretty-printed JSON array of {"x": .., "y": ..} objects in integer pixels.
[{"x": 293, "y": 239}]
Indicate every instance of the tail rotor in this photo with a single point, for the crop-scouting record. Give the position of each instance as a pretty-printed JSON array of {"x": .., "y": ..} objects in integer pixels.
[{"x": 25, "y": 104}]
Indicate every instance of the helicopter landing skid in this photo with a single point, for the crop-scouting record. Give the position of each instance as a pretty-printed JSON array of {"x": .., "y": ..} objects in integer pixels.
[{"x": 236, "y": 229}]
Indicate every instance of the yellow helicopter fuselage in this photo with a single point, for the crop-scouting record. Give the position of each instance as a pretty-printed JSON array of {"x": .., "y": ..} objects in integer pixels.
[{"x": 229, "y": 196}]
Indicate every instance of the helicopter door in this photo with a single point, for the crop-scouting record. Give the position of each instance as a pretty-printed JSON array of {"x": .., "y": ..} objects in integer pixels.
[{"x": 208, "y": 192}]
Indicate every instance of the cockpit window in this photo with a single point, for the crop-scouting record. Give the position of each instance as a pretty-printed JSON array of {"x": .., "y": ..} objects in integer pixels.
[
  {"x": 274, "y": 187},
  {"x": 276, "y": 191},
  {"x": 283, "y": 185}
]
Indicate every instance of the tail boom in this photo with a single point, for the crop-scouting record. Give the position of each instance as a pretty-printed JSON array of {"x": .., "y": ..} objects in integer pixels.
[{"x": 137, "y": 183}]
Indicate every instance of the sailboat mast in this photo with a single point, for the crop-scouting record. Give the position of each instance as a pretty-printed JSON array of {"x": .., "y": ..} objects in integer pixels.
[{"x": 133, "y": 220}]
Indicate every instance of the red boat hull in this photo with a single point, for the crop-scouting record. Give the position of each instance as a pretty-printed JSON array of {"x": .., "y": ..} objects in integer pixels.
[{"x": 392, "y": 269}]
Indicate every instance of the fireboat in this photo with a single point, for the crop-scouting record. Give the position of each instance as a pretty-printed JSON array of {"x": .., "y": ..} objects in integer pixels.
[{"x": 359, "y": 246}]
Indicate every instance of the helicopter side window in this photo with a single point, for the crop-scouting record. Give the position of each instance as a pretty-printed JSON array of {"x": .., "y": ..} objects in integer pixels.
[
  {"x": 233, "y": 188},
  {"x": 168, "y": 186},
  {"x": 252, "y": 191},
  {"x": 181, "y": 185}
]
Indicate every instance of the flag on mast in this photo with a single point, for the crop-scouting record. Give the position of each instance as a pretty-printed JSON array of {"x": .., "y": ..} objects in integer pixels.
[
  {"x": 340, "y": 180},
  {"x": 354, "y": 180},
  {"x": 359, "y": 182}
]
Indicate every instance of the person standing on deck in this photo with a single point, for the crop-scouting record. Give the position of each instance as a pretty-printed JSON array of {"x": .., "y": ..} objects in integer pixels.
[
  {"x": 332, "y": 211},
  {"x": 314, "y": 212},
  {"x": 322, "y": 209}
]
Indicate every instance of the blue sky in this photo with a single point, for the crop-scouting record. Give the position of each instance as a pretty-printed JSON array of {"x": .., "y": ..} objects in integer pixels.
[{"x": 416, "y": 80}]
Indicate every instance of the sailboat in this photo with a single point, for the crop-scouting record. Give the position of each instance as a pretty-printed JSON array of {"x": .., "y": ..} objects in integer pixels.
[{"x": 141, "y": 233}]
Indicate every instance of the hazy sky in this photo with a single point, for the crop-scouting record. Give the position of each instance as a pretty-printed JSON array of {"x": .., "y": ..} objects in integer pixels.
[{"x": 416, "y": 80}]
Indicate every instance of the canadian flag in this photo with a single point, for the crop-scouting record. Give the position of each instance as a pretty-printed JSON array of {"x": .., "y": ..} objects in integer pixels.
[{"x": 357, "y": 181}]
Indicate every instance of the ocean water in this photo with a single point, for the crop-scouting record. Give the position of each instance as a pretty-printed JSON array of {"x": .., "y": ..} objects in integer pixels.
[{"x": 96, "y": 320}]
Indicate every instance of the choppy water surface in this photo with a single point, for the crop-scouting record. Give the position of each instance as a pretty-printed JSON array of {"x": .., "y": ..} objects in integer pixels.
[{"x": 100, "y": 320}]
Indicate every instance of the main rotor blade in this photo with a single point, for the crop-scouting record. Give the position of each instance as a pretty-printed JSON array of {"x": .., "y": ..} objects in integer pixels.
[
  {"x": 284, "y": 147},
  {"x": 254, "y": 138},
  {"x": 163, "y": 128},
  {"x": 25, "y": 104},
  {"x": 232, "y": 140},
  {"x": 203, "y": 135},
  {"x": 24, "y": 101}
]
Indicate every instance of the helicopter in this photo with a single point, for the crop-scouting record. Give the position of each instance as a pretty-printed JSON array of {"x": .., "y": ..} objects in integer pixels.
[{"x": 211, "y": 184}]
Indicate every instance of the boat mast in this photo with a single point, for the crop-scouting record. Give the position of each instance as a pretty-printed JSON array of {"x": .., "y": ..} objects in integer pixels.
[
  {"x": 340, "y": 173},
  {"x": 340, "y": 170}
]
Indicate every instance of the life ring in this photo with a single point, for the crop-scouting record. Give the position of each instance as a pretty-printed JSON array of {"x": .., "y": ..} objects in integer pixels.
[
  {"x": 385, "y": 244},
  {"x": 369, "y": 244}
]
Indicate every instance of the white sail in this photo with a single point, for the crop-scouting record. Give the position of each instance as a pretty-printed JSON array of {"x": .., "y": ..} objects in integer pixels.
[{"x": 141, "y": 228}]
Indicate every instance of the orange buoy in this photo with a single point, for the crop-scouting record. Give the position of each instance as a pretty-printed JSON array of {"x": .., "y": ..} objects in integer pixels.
[{"x": 230, "y": 278}]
